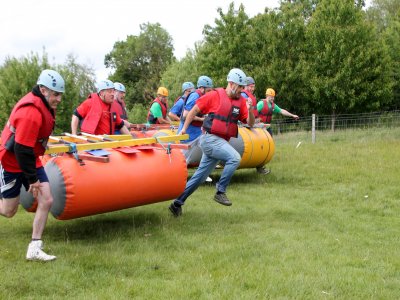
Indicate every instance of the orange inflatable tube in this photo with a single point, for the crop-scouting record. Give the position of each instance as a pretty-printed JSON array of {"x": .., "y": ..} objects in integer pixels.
[{"x": 147, "y": 175}]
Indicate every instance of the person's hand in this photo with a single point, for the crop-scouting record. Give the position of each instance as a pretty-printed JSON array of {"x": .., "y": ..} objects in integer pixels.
[
  {"x": 296, "y": 117},
  {"x": 35, "y": 189},
  {"x": 182, "y": 132},
  {"x": 249, "y": 103}
]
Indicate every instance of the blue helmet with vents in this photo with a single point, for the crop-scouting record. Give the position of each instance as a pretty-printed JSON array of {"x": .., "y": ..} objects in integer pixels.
[
  {"x": 204, "y": 81},
  {"x": 187, "y": 85},
  {"x": 250, "y": 80}
]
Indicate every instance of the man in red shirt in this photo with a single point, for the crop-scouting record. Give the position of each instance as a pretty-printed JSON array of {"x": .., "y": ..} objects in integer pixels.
[
  {"x": 24, "y": 139},
  {"x": 99, "y": 113},
  {"x": 224, "y": 108}
]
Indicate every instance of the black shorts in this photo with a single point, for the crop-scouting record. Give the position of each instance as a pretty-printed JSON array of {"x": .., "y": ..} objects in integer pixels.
[{"x": 11, "y": 183}]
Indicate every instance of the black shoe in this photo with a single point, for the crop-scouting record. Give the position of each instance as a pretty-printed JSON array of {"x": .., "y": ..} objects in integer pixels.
[
  {"x": 263, "y": 170},
  {"x": 175, "y": 210},
  {"x": 222, "y": 199}
]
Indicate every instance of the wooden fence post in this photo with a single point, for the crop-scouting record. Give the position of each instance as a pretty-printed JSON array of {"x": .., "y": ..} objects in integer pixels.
[{"x": 313, "y": 129}]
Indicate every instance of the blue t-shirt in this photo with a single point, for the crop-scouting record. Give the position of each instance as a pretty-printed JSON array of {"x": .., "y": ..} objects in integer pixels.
[
  {"x": 177, "y": 109},
  {"x": 193, "y": 131}
]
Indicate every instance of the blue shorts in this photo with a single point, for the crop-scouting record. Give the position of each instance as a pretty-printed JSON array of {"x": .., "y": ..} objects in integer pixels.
[{"x": 11, "y": 183}]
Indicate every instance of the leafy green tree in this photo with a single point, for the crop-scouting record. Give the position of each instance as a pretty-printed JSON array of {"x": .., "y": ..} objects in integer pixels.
[
  {"x": 140, "y": 61},
  {"x": 179, "y": 72},
  {"x": 226, "y": 46},
  {"x": 280, "y": 40},
  {"x": 262, "y": 52},
  {"x": 385, "y": 16},
  {"x": 137, "y": 114},
  {"x": 79, "y": 83},
  {"x": 19, "y": 76},
  {"x": 392, "y": 38},
  {"x": 346, "y": 67}
]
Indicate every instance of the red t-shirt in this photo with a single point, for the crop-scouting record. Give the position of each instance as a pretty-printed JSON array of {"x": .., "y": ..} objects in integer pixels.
[
  {"x": 104, "y": 126},
  {"x": 209, "y": 103},
  {"x": 28, "y": 121}
]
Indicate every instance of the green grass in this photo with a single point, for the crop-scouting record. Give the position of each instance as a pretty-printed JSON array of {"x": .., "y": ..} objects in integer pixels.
[{"x": 323, "y": 225}]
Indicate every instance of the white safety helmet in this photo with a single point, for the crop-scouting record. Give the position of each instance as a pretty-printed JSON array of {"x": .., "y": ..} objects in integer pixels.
[
  {"x": 237, "y": 76},
  {"x": 119, "y": 87},
  {"x": 52, "y": 80},
  {"x": 105, "y": 85}
]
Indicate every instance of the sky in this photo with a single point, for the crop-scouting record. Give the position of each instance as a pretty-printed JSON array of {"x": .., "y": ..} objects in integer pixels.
[{"x": 88, "y": 29}]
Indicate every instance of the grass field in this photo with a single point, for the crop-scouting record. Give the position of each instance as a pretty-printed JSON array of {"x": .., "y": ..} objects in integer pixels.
[{"x": 323, "y": 225}]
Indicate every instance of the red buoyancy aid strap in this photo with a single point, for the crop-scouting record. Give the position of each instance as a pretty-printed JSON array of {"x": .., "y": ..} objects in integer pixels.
[
  {"x": 91, "y": 120},
  {"x": 164, "y": 109},
  {"x": 8, "y": 133},
  {"x": 223, "y": 122},
  {"x": 254, "y": 102},
  {"x": 266, "y": 112}
]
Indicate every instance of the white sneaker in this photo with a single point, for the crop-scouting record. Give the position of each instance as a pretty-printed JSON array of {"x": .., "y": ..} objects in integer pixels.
[
  {"x": 208, "y": 179},
  {"x": 35, "y": 252}
]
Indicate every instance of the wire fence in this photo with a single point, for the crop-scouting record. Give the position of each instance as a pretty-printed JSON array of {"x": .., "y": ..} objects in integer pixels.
[{"x": 386, "y": 119}]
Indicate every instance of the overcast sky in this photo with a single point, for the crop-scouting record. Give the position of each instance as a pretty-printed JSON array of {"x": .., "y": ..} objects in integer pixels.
[{"x": 89, "y": 28}]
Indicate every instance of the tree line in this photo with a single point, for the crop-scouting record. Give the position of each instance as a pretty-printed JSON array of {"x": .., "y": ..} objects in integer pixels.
[{"x": 321, "y": 56}]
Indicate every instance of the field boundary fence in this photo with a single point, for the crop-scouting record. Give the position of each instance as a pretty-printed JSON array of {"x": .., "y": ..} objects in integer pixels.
[{"x": 315, "y": 123}]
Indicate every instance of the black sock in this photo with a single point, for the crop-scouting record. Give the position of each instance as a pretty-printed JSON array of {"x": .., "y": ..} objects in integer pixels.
[{"x": 219, "y": 193}]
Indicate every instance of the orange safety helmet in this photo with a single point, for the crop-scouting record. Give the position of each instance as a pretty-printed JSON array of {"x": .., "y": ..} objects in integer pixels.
[
  {"x": 162, "y": 91},
  {"x": 270, "y": 92}
]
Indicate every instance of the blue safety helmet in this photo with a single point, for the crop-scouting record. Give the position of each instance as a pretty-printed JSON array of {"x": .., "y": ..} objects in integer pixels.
[
  {"x": 187, "y": 85},
  {"x": 250, "y": 80},
  {"x": 52, "y": 80},
  {"x": 237, "y": 76},
  {"x": 204, "y": 81},
  {"x": 119, "y": 87},
  {"x": 105, "y": 85}
]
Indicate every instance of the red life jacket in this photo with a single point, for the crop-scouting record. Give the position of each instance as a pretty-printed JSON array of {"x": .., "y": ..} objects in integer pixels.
[
  {"x": 164, "y": 108},
  {"x": 121, "y": 109},
  {"x": 91, "y": 120},
  {"x": 48, "y": 120},
  {"x": 266, "y": 113},
  {"x": 223, "y": 122},
  {"x": 254, "y": 102},
  {"x": 200, "y": 115}
]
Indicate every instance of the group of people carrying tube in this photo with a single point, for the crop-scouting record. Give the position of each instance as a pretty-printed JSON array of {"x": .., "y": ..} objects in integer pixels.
[{"x": 209, "y": 115}]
